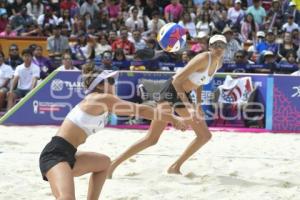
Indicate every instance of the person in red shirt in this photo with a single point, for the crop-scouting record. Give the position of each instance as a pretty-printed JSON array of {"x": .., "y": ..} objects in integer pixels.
[
  {"x": 124, "y": 43},
  {"x": 70, "y": 5}
]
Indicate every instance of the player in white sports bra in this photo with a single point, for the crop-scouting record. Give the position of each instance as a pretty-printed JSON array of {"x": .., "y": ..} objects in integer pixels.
[
  {"x": 60, "y": 161},
  {"x": 175, "y": 97}
]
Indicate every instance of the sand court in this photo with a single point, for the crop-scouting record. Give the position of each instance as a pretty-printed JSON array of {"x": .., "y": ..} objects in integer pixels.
[{"x": 232, "y": 166}]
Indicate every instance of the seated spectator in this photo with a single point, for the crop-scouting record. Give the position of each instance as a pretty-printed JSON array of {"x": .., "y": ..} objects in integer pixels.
[
  {"x": 155, "y": 23},
  {"x": 107, "y": 64},
  {"x": 65, "y": 30},
  {"x": 137, "y": 63},
  {"x": 70, "y": 5},
  {"x": 205, "y": 24},
  {"x": 296, "y": 37},
  {"x": 35, "y": 8},
  {"x": 133, "y": 22},
  {"x": 113, "y": 8},
  {"x": 232, "y": 45},
  {"x": 112, "y": 37},
  {"x": 16, "y": 7},
  {"x": 120, "y": 59},
  {"x": 42, "y": 62},
  {"x": 14, "y": 58},
  {"x": 249, "y": 28},
  {"x": 57, "y": 44},
  {"x": 6, "y": 73},
  {"x": 288, "y": 63},
  {"x": 287, "y": 45},
  {"x": 80, "y": 50},
  {"x": 269, "y": 44},
  {"x": 149, "y": 9},
  {"x": 32, "y": 30},
  {"x": 102, "y": 22},
  {"x": 137, "y": 40},
  {"x": 124, "y": 43},
  {"x": 79, "y": 25},
  {"x": 3, "y": 19},
  {"x": 292, "y": 10},
  {"x": 276, "y": 9},
  {"x": 101, "y": 46},
  {"x": 21, "y": 20},
  {"x": 138, "y": 5},
  {"x": 66, "y": 19},
  {"x": 25, "y": 79},
  {"x": 48, "y": 17},
  {"x": 290, "y": 25},
  {"x": 89, "y": 6},
  {"x": 268, "y": 62},
  {"x": 67, "y": 64},
  {"x": 201, "y": 42},
  {"x": 173, "y": 11},
  {"x": 8, "y": 32},
  {"x": 240, "y": 62},
  {"x": 188, "y": 24},
  {"x": 186, "y": 56}
]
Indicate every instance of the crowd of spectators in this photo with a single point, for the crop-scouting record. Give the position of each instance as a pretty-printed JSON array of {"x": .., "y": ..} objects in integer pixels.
[{"x": 121, "y": 34}]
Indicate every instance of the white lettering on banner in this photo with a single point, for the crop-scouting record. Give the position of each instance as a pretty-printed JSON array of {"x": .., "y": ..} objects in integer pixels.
[
  {"x": 297, "y": 93},
  {"x": 43, "y": 107},
  {"x": 258, "y": 84}
]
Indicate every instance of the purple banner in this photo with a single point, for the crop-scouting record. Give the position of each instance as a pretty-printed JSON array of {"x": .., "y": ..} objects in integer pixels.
[{"x": 286, "y": 105}]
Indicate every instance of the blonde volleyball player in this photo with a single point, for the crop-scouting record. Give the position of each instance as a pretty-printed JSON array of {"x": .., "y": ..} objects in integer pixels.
[
  {"x": 60, "y": 161},
  {"x": 175, "y": 95}
]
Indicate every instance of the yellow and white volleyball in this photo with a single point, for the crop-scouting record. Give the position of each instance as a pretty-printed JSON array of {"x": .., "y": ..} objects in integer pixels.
[{"x": 171, "y": 37}]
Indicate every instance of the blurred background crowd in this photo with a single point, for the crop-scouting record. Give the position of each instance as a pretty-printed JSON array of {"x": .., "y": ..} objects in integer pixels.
[{"x": 262, "y": 35}]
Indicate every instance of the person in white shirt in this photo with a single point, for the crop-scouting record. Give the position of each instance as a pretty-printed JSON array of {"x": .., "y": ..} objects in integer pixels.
[
  {"x": 6, "y": 73},
  {"x": 133, "y": 22},
  {"x": 235, "y": 13},
  {"x": 25, "y": 79},
  {"x": 67, "y": 64},
  {"x": 155, "y": 23},
  {"x": 290, "y": 25}
]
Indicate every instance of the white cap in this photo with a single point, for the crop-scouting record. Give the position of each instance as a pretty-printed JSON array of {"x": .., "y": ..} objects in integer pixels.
[
  {"x": 268, "y": 53},
  {"x": 216, "y": 38},
  {"x": 260, "y": 34},
  {"x": 237, "y": 1},
  {"x": 292, "y": 3},
  {"x": 201, "y": 34}
]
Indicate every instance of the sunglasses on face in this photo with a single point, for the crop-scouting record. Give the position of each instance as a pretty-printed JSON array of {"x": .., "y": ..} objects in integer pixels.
[{"x": 219, "y": 45}]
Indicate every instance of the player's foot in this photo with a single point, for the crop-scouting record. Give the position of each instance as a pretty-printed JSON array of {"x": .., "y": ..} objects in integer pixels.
[{"x": 174, "y": 169}]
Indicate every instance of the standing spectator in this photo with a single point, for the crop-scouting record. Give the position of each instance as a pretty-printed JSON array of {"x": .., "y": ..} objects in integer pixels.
[
  {"x": 35, "y": 8},
  {"x": 113, "y": 9},
  {"x": 222, "y": 22},
  {"x": 25, "y": 79},
  {"x": 137, "y": 40},
  {"x": 47, "y": 18},
  {"x": 67, "y": 64},
  {"x": 14, "y": 58},
  {"x": 57, "y": 44},
  {"x": 124, "y": 43},
  {"x": 133, "y": 22},
  {"x": 232, "y": 45},
  {"x": 8, "y": 32},
  {"x": 173, "y": 11},
  {"x": 249, "y": 28},
  {"x": 290, "y": 25},
  {"x": 150, "y": 8},
  {"x": 287, "y": 45},
  {"x": 292, "y": 10},
  {"x": 188, "y": 24},
  {"x": 269, "y": 44},
  {"x": 89, "y": 6},
  {"x": 257, "y": 11},
  {"x": 236, "y": 14},
  {"x": 155, "y": 23},
  {"x": 6, "y": 73},
  {"x": 42, "y": 62}
]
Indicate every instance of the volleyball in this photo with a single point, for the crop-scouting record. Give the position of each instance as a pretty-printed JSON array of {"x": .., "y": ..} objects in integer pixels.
[{"x": 171, "y": 37}]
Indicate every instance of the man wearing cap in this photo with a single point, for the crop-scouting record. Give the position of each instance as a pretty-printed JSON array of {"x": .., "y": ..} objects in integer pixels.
[
  {"x": 269, "y": 44},
  {"x": 236, "y": 13},
  {"x": 257, "y": 11},
  {"x": 232, "y": 45},
  {"x": 292, "y": 10}
]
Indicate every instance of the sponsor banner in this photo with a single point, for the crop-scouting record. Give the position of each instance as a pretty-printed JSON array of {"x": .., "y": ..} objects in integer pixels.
[{"x": 286, "y": 105}]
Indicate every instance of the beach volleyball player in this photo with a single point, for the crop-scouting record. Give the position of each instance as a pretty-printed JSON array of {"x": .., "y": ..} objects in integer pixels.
[
  {"x": 175, "y": 96},
  {"x": 60, "y": 161}
]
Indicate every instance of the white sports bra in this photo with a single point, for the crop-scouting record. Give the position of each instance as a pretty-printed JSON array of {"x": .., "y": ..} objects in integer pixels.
[
  {"x": 90, "y": 124},
  {"x": 202, "y": 78}
]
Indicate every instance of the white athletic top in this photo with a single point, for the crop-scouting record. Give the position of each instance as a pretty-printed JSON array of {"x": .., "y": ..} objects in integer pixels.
[
  {"x": 90, "y": 124},
  {"x": 202, "y": 78}
]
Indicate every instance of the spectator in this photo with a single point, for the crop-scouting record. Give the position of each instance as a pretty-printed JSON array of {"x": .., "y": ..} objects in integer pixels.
[
  {"x": 17, "y": 7},
  {"x": 249, "y": 28},
  {"x": 102, "y": 46},
  {"x": 287, "y": 64},
  {"x": 14, "y": 58},
  {"x": 21, "y": 20},
  {"x": 269, "y": 44},
  {"x": 66, "y": 19},
  {"x": 236, "y": 14},
  {"x": 173, "y": 11},
  {"x": 240, "y": 62},
  {"x": 113, "y": 9},
  {"x": 112, "y": 37},
  {"x": 80, "y": 50},
  {"x": 133, "y": 22},
  {"x": 107, "y": 64},
  {"x": 57, "y": 44},
  {"x": 155, "y": 23},
  {"x": 222, "y": 22},
  {"x": 276, "y": 12},
  {"x": 124, "y": 43},
  {"x": 67, "y": 64},
  {"x": 201, "y": 42},
  {"x": 32, "y": 30},
  {"x": 137, "y": 64},
  {"x": 139, "y": 7},
  {"x": 186, "y": 56},
  {"x": 25, "y": 79},
  {"x": 269, "y": 63},
  {"x": 295, "y": 37},
  {"x": 102, "y": 22},
  {"x": 42, "y": 62},
  {"x": 70, "y": 5},
  {"x": 120, "y": 59},
  {"x": 188, "y": 24},
  {"x": 205, "y": 23},
  {"x": 89, "y": 6},
  {"x": 297, "y": 73},
  {"x": 79, "y": 24},
  {"x": 150, "y": 8},
  {"x": 287, "y": 45},
  {"x": 232, "y": 45},
  {"x": 6, "y": 73},
  {"x": 47, "y": 18},
  {"x": 3, "y": 19},
  {"x": 290, "y": 25},
  {"x": 137, "y": 40},
  {"x": 8, "y": 32},
  {"x": 292, "y": 10},
  {"x": 35, "y": 8},
  {"x": 257, "y": 11}
]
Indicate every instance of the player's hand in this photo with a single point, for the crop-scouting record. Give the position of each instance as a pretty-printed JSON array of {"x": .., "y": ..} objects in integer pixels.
[{"x": 179, "y": 124}]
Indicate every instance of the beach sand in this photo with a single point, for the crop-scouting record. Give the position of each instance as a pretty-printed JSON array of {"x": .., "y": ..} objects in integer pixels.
[{"x": 232, "y": 166}]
